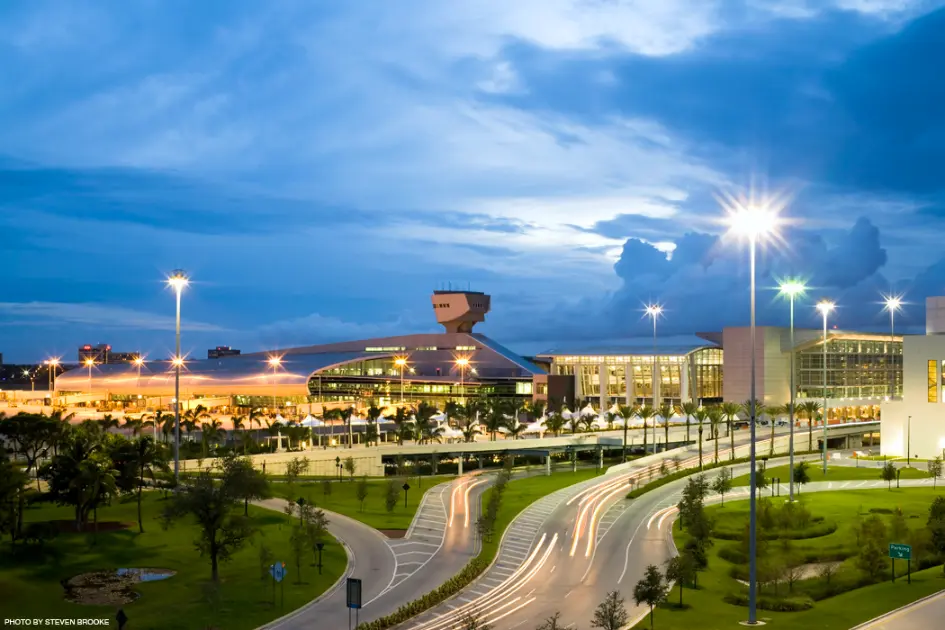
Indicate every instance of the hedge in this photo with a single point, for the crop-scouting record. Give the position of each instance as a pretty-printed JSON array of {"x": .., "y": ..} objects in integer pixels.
[{"x": 795, "y": 603}]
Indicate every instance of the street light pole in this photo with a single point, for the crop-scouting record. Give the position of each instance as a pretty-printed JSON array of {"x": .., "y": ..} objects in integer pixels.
[
  {"x": 792, "y": 289},
  {"x": 893, "y": 304},
  {"x": 177, "y": 280},
  {"x": 654, "y": 311},
  {"x": 401, "y": 362},
  {"x": 825, "y": 306}
]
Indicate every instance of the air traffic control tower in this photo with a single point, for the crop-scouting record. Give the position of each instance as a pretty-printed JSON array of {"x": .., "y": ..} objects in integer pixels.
[{"x": 459, "y": 311}]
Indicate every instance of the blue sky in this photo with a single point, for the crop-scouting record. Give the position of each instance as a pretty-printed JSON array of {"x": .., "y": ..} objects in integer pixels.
[{"x": 319, "y": 167}]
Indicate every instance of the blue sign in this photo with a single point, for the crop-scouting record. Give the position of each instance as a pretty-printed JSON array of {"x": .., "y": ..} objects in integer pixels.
[{"x": 277, "y": 571}]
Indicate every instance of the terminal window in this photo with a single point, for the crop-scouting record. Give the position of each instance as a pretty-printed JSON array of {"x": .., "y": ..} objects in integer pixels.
[{"x": 933, "y": 382}]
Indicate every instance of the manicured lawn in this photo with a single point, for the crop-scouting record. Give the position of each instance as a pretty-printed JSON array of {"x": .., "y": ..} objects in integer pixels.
[
  {"x": 520, "y": 493},
  {"x": 29, "y": 582},
  {"x": 834, "y": 473},
  {"x": 706, "y": 609},
  {"x": 343, "y": 499}
]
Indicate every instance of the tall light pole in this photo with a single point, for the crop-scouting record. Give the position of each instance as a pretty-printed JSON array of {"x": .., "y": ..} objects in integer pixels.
[
  {"x": 139, "y": 363},
  {"x": 654, "y": 311},
  {"x": 53, "y": 364},
  {"x": 177, "y": 281},
  {"x": 824, "y": 307},
  {"x": 401, "y": 362},
  {"x": 462, "y": 363},
  {"x": 754, "y": 222},
  {"x": 792, "y": 289},
  {"x": 90, "y": 363},
  {"x": 892, "y": 303}
]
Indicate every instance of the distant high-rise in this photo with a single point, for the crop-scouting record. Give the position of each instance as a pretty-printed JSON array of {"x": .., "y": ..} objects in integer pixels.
[
  {"x": 222, "y": 351},
  {"x": 103, "y": 354}
]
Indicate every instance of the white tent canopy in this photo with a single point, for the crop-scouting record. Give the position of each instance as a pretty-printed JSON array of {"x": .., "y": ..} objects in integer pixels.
[
  {"x": 311, "y": 421},
  {"x": 588, "y": 410}
]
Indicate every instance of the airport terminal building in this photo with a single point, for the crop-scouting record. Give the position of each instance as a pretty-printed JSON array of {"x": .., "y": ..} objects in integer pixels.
[{"x": 863, "y": 370}]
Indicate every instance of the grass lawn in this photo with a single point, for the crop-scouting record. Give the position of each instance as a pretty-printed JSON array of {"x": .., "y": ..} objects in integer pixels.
[
  {"x": 706, "y": 609},
  {"x": 343, "y": 498},
  {"x": 29, "y": 583},
  {"x": 520, "y": 493},
  {"x": 834, "y": 473}
]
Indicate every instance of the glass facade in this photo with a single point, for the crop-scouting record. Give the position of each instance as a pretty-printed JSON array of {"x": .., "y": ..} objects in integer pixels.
[
  {"x": 856, "y": 368},
  {"x": 933, "y": 382},
  {"x": 630, "y": 376}
]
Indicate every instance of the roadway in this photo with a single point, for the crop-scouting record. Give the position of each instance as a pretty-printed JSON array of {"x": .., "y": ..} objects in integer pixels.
[{"x": 921, "y": 615}]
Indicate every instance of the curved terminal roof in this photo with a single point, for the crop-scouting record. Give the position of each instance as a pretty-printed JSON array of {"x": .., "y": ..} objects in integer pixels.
[{"x": 665, "y": 346}]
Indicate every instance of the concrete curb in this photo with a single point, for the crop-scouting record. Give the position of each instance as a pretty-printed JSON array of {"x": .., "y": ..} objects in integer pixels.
[{"x": 893, "y": 613}]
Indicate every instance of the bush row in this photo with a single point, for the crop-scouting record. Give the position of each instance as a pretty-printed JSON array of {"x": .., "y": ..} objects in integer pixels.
[
  {"x": 813, "y": 531},
  {"x": 777, "y": 604}
]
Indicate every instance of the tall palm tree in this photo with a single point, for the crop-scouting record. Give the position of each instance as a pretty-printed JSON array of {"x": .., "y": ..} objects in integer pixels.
[
  {"x": 108, "y": 422},
  {"x": 211, "y": 433},
  {"x": 401, "y": 421},
  {"x": 515, "y": 429},
  {"x": 555, "y": 423},
  {"x": 644, "y": 413},
  {"x": 134, "y": 424},
  {"x": 716, "y": 417},
  {"x": 810, "y": 408},
  {"x": 95, "y": 482},
  {"x": 626, "y": 412},
  {"x": 429, "y": 431},
  {"x": 730, "y": 411},
  {"x": 666, "y": 413},
  {"x": 702, "y": 414},
  {"x": 470, "y": 428},
  {"x": 193, "y": 417},
  {"x": 59, "y": 428},
  {"x": 688, "y": 409},
  {"x": 574, "y": 422},
  {"x": 147, "y": 457},
  {"x": 373, "y": 415},
  {"x": 255, "y": 416},
  {"x": 495, "y": 417},
  {"x": 773, "y": 413},
  {"x": 451, "y": 409}
]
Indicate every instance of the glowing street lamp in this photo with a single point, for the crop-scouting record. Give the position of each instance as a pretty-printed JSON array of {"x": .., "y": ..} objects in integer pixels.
[
  {"x": 756, "y": 222},
  {"x": 177, "y": 281},
  {"x": 654, "y": 311},
  {"x": 462, "y": 363},
  {"x": 53, "y": 364},
  {"x": 792, "y": 289},
  {"x": 892, "y": 303},
  {"x": 824, "y": 307},
  {"x": 401, "y": 362},
  {"x": 90, "y": 363}
]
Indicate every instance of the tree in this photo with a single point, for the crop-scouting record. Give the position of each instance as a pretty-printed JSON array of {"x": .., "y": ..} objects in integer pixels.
[
  {"x": 935, "y": 469},
  {"x": 688, "y": 409},
  {"x": 681, "y": 569},
  {"x": 701, "y": 415},
  {"x": 650, "y": 590},
  {"x": 13, "y": 486},
  {"x": 666, "y": 413},
  {"x": 391, "y": 495},
  {"x": 644, "y": 413},
  {"x": 401, "y": 421},
  {"x": 95, "y": 484},
  {"x": 730, "y": 411},
  {"x": 810, "y": 408},
  {"x": 761, "y": 478},
  {"x": 723, "y": 483},
  {"x": 295, "y": 468},
  {"x": 373, "y": 415},
  {"x": 551, "y": 623},
  {"x": 801, "y": 474},
  {"x": 244, "y": 480},
  {"x": 871, "y": 555},
  {"x": 147, "y": 457},
  {"x": 362, "y": 492},
  {"x": 715, "y": 421},
  {"x": 935, "y": 525},
  {"x": 495, "y": 418},
  {"x": 211, "y": 503},
  {"x": 888, "y": 474},
  {"x": 625, "y": 412},
  {"x": 555, "y": 423},
  {"x": 350, "y": 466},
  {"x": 473, "y": 621},
  {"x": 30, "y": 435},
  {"x": 62, "y": 473},
  {"x": 773, "y": 413},
  {"x": 611, "y": 614}
]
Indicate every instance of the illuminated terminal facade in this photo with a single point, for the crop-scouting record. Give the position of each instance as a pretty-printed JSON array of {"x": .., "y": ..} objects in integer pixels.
[{"x": 863, "y": 370}]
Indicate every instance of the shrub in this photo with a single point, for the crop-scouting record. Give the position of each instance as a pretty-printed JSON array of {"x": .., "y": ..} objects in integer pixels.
[{"x": 777, "y": 604}]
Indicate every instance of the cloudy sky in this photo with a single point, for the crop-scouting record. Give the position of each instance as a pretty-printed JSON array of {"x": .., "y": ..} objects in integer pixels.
[{"x": 318, "y": 167}]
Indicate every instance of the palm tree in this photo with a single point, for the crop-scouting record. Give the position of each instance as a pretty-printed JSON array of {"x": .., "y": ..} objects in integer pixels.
[
  {"x": 134, "y": 424},
  {"x": 452, "y": 410},
  {"x": 645, "y": 413},
  {"x": 374, "y": 415},
  {"x": 515, "y": 429},
  {"x": 94, "y": 483},
  {"x": 193, "y": 417},
  {"x": 495, "y": 418},
  {"x": 255, "y": 417},
  {"x": 811, "y": 408},
  {"x": 401, "y": 420},
  {"x": 574, "y": 422},
  {"x": 470, "y": 429},
  {"x": 730, "y": 411},
  {"x": 147, "y": 456},
  {"x": 211, "y": 433},
  {"x": 587, "y": 421},
  {"x": 239, "y": 425},
  {"x": 688, "y": 409},
  {"x": 59, "y": 429},
  {"x": 702, "y": 414},
  {"x": 429, "y": 431},
  {"x": 626, "y": 412},
  {"x": 555, "y": 423},
  {"x": 773, "y": 413},
  {"x": 108, "y": 422},
  {"x": 666, "y": 413},
  {"x": 716, "y": 417}
]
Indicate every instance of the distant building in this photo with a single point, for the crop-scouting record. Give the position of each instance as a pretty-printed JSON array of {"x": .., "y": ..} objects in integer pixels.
[
  {"x": 222, "y": 351},
  {"x": 103, "y": 354},
  {"x": 1, "y": 358}
]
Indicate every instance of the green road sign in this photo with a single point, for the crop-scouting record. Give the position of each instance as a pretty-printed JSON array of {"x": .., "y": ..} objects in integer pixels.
[{"x": 900, "y": 552}]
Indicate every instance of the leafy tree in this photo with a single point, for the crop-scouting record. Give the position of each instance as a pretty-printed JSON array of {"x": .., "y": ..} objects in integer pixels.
[
  {"x": 761, "y": 478},
  {"x": 244, "y": 480},
  {"x": 871, "y": 556},
  {"x": 935, "y": 525},
  {"x": 211, "y": 503},
  {"x": 350, "y": 466},
  {"x": 801, "y": 474},
  {"x": 362, "y": 492},
  {"x": 13, "y": 486},
  {"x": 30, "y": 435},
  {"x": 611, "y": 614},
  {"x": 681, "y": 569},
  {"x": 664, "y": 469},
  {"x": 551, "y": 623},
  {"x": 391, "y": 495},
  {"x": 723, "y": 483},
  {"x": 693, "y": 497},
  {"x": 61, "y": 473},
  {"x": 935, "y": 470},
  {"x": 650, "y": 590},
  {"x": 888, "y": 474},
  {"x": 326, "y": 488},
  {"x": 473, "y": 621},
  {"x": 95, "y": 484},
  {"x": 266, "y": 558},
  {"x": 295, "y": 468}
]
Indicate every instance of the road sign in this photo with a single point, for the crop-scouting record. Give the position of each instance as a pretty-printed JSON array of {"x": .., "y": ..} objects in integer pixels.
[
  {"x": 900, "y": 552},
  {"x": 277, "y": 571},
  {"x": 121, "y": 618},
  {"x": 406, "y": 486},
  {"x": 354, "y": 593}
]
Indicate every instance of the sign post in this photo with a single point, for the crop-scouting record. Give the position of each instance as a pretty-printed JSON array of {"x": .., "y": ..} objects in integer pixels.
[
  {"x": 301, "y": 503},
  {"x": 319, "y": 545},
  {"x": 277, "y": 571},
  {"x": 354, "y": 600},
  {"x": 406, "y": 487},
  {"x": 901, "y": 552}
]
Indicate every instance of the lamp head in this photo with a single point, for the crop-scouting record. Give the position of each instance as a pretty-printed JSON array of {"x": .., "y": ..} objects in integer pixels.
[
  {"x": 400, "y": 361},
  {"x": 54, "y": 362},
  {"x": 825, "y": 306},
  {"x": 178, "y": 280},
  {"x": 753, "y": 220},
  {"x": 654, "y": 310},
  {"x": 177, "y": 361},
  {"x": 892, "y": 303},
  {"x": 138, "y": 361},
  {"x": 462, "y": 362},
  {"x": 275, "y": 362},
  {"x": 89, "y": 362},
  {"x": 792, "y": 288}
]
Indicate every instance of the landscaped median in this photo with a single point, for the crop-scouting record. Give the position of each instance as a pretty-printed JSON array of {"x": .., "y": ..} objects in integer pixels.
[
  {"x": 516, "y": 496},
  {"x": 834, "y": 473},
  {"x": 822, "y": 561}
]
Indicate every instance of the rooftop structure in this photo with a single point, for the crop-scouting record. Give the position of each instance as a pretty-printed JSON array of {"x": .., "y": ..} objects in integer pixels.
[{"x": 459, "y": 311}]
